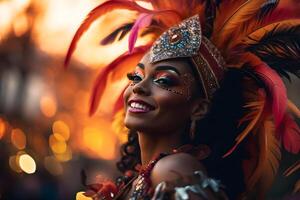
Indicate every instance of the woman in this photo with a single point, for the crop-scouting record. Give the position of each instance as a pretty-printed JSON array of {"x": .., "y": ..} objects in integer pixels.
[{"x": 201, "y": 103}]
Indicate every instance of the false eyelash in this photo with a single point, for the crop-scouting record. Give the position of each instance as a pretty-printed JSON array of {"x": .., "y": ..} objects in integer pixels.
[{"x": 130, "y": 75}]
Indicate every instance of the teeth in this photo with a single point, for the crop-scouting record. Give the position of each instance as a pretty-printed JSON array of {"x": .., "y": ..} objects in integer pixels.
[{"x": 139, "y": 106}]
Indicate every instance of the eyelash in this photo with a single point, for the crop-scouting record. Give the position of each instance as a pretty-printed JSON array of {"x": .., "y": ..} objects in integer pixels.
[
  {"x": 133, "y": 76},
  {"x": 163, "y": 80}
]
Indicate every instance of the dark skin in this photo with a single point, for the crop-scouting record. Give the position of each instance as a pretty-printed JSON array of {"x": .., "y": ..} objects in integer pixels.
[
  {"x": 158, "y": 130},
  {"x": 172, "y": 103}
]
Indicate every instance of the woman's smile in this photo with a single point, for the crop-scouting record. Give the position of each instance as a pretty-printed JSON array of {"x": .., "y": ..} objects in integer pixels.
[{"x": 139, "y": 106}]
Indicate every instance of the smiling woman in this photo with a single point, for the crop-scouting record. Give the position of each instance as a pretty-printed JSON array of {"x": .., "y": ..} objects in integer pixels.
[{"x": 205, "y": 99}]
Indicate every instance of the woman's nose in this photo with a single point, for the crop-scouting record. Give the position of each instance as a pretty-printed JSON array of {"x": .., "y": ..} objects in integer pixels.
[{"x": 141, "y": 88}]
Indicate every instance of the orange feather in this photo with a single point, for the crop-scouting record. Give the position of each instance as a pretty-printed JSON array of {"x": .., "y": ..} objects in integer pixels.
[
  {"x": 268, "y": 157},
  {"x": 238, "y": 24},
  {"x": 256, "y": 109}
]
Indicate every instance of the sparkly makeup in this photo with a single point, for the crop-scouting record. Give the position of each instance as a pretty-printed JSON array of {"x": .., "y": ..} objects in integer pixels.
[{"x": 166, "y": 79}]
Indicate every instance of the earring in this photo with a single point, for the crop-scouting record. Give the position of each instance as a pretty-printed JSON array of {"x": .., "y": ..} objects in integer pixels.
[{"x": 193, "y": 129}]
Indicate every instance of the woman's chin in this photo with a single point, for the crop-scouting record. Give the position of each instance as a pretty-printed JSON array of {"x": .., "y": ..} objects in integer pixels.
[{"x": 136, "y": 124}]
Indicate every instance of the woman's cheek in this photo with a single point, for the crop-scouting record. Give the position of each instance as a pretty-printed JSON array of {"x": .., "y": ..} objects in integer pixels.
[{"x": 126, "y": 95}]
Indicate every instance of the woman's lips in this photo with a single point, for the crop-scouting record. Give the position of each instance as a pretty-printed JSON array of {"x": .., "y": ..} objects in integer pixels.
[{"x": 139, "y": 106}]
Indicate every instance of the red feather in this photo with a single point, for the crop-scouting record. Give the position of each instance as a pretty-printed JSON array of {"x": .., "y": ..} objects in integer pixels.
[
  {"x": 276, "y": 91},
  {"x": 290, "y": 135},
  {"x": 142, "y": 21},
  {"x": 95, "y": 14},
  {"x": 102, "y": 78}
]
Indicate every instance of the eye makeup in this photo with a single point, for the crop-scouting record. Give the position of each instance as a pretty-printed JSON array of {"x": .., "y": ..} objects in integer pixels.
[
  {"x": 136, "y": 76},
  {"x": 166, "y": 78}
]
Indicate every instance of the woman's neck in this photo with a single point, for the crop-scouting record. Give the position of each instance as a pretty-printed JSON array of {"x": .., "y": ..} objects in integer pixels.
[{"x": 152, "y": 145}]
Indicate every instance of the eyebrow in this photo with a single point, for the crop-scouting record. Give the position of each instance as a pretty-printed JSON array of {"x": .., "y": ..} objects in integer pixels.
[
  {"x": 166, "y": 67},
  {"x": 160, "y": 68},
  {"x": 141, "y": 65}
]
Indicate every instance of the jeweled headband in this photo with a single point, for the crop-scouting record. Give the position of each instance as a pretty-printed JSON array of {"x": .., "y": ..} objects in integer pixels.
[{"x": 186, "y": 40}]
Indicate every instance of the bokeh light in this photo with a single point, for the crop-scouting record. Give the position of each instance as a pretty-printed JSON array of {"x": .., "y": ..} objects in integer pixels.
[
  {"x": 2, "y": 128},
  {"x": 65, "y": 156},
  {"x": 61, "y": 128},
  {"x": 80, "y": 196},
  {"x": 14, "y": 165},
  {"x": 18, "y": 138},
  {"x": 27, "y": 164},
  {"x": 57, "y": 146},
  {"x": 48, "y": 106}
]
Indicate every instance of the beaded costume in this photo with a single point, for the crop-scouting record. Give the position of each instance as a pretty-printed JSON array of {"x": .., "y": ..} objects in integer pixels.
[{"x": 258, "y": 37}]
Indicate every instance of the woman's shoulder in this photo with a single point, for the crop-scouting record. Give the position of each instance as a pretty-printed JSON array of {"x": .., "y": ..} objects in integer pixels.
[{"x": 175, "y": 166}]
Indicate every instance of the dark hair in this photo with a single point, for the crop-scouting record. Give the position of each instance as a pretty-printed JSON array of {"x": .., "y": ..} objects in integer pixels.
[{"x": 217, "y": 129}]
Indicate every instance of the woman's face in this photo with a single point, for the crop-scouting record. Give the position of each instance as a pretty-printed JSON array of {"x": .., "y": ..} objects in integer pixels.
[{"x": 159, "y": 96}]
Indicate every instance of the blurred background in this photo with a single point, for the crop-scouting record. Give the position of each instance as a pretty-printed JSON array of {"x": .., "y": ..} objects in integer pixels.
[{"x": 46, "y": 135}]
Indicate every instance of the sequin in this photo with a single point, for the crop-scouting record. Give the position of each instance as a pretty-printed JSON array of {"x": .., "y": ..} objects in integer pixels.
[{"x": 183, "y": 40}]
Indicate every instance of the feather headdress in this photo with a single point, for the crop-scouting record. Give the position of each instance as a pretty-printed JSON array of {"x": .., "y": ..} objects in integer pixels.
[{"x": 253, "y": 35}]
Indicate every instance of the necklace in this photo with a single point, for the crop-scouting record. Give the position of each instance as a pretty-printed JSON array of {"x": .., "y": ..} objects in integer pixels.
[{"x": 142, "y": 188}]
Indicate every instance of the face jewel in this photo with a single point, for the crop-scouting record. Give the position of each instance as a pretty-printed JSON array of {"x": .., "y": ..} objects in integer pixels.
[{"x": 182, "y": 40}]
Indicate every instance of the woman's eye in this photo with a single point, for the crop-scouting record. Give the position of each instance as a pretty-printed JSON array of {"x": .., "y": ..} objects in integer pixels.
[
  {"x": 164, "y": 81},
  {"x": 134, "y": 77}
]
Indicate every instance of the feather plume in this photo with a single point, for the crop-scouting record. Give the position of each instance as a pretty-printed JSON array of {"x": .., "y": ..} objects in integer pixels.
[
  {"x": 242, "y": 21},
  {"x": 278, "y": 45},
  {"x": 293, "y": 108},
  {"x": 185, "y": 9},
  {"x": 102, "y": 78},
  {"x": 142, "y": 21},
  {"x": 269, "y": 156},
  {"x": 276, "y": 91},
  {"x": 256, "y": 109},
  {"x": 292, "y": 169},
  {"x": 120, "y": 32},
  {"x": 290, "y": 135},
  {"x": 95, "y": 14},
  {"x": 266, "y": 9}
]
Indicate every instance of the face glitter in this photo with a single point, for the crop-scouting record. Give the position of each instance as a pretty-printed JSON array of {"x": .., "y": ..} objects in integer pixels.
[{"x": 180, "y": 86}]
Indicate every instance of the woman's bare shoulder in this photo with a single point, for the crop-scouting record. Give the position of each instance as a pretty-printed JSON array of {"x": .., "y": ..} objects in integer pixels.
[{"x": 174, "y": 167}]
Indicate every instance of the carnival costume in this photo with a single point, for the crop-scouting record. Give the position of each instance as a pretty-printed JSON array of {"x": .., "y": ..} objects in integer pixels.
[{"x": 248, "y": 35}]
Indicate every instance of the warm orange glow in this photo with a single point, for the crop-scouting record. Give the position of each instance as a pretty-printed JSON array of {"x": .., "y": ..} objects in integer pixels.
[
  {"x": 2, "y": 128},
  {"x": 61, "y": 128},
  {"x": 18, "y": 138},
  {"x": 9, "y": 11},
  {"x": 20, "y": 25},
  {"x": 99, "y": 143},
  {"x": 119, "y": 127},
  {"x": 48, "y": 106},
  {"x": 27, "y": 164},
  {"x": 53, "y": 166},
  {"x": 56, "y": 145}
]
